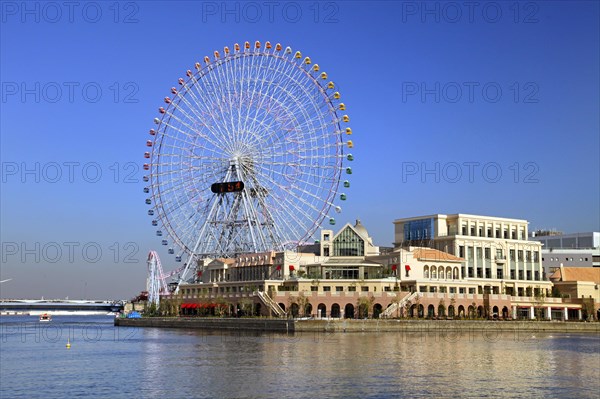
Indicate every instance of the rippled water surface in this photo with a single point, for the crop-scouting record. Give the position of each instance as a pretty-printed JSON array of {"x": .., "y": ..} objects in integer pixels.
[{"x": 110, "y": 362}]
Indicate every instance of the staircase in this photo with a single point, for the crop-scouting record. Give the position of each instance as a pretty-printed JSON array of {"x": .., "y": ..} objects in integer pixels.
[
  {"x": 389, "y": 312},
  {"x": 270, "y": 303}
]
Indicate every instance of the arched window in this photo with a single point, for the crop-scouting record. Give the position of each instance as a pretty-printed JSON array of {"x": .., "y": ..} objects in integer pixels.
[
  {"x": 433, "y": 272},
  {"x": 441, "y": 272},
  {"x": 426, "y": 272},
  {"x": 455, "y": 274},
  {"x": 449, "y": 273}
]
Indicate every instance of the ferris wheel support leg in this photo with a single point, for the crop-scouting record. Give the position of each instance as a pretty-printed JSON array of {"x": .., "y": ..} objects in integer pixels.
[{"x": 197, "y": 249}]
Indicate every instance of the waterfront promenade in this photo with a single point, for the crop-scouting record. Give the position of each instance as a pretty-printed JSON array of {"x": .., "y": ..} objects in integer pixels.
[{"x": 362, "y": 326}]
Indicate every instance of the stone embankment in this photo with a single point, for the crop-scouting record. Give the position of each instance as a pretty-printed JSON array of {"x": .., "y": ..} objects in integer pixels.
[{"x": 453, "y": 327}]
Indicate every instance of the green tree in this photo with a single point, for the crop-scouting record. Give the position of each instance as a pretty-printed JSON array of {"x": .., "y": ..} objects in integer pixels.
[
  {"x": 364, "y": 304},
  {"x": 539, "y": 298},
  {"x": 442, "y": 308},
  {"x": 246, "y": 305}
]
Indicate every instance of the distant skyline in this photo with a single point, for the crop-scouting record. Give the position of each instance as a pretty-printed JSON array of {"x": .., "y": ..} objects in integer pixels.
[{"x": 488, "y": 109}]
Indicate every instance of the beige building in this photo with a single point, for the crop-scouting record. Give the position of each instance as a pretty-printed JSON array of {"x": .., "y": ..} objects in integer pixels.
[
  {"x": 497, "y": 253},
  {"x": 352, "y": 279},
  {"x": 578, "y": 283}
]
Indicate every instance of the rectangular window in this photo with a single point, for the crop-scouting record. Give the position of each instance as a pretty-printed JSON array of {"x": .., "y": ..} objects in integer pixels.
[
  {"x": 325, "y": 237},
  {"x": 520, "y": 255},
  {"x": 326, "y": 288},
  {"x": 461, "y": 290},
  {"x": 488, "y": 253},
  {"x": 505, "y": 234},
  {"x": 498, "y": 232},
  {"x": 499, "y": 273},
  {"x": 536, "y": 256},
  {"x": 528, "y": 256},
  {"x": 470, "y": 253},
  {"x": 512, "y": 254},
  {"x": 364, "y": 289},
  {"x": 479, "y": 253},
  {"x": 473, "y": 230},
  {"x": 512, "y": 275},
  {"x": 418, "y": 230},
  {"x": 481, "y": 232},
  {"x": 464, "y": 230},
  {"x": 499, "y": 254},
  {"x": 537, "y": 275},
  {"x": 314, "y": 288},
  {"x": 513, "y": 234},
  {"x": 528, "y": 274},
  {"x": 489, "y": 232},
  {"x": 461, "y": 251},
  {"x": 387, "y": 289},
  {"x": 453, "y": 290},
  {"x": 351, "y": 288},
  {"x": 520, "y": 274},
  {"x": 325, "y": 251},
  {"x": 339, "y": 289},
  {"x": 471, "y": 290}
]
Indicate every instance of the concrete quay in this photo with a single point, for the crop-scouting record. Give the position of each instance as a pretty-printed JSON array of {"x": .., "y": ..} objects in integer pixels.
[{"x": 455, "y": 327}]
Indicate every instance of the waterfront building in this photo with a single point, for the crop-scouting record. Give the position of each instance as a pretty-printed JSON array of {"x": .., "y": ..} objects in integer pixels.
[
  {"x": 346, "y": 275},
  {"x": 497, "y": 254},
  {"x": 577, "y": 283},
  {"x": 570, "y": 250}
]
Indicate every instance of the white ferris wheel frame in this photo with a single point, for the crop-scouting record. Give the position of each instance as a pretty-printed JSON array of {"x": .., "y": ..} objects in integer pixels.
[{"x": 288, "y": 149}]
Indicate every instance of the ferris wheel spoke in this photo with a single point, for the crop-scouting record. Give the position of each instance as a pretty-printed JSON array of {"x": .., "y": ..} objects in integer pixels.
[
  {"x": 192, "y": 143},
  {"x": 292, "y": 188},
  {"x": 204, "y": 103}
]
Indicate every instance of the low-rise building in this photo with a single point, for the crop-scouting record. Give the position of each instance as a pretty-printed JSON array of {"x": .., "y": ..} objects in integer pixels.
[
  {"x": 570, "y": 250},
  {"x": 496, "y": 250},
  {"x": 423, "y": 276}
]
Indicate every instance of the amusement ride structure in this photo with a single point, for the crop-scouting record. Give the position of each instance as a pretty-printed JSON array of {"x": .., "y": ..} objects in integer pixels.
[{"x": 247, "y": 155}]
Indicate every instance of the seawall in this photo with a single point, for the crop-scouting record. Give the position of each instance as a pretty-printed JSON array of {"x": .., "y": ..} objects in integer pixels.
[{"x": 370, "y": 325}]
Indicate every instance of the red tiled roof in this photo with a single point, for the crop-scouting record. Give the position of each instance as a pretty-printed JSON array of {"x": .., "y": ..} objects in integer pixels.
[
  {"x": 434, "y": 254},
  {"x": 577, "y": 274}
]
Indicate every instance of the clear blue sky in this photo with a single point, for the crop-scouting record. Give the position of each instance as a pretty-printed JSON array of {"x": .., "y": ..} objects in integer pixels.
[{"x": 399, "y": 66}]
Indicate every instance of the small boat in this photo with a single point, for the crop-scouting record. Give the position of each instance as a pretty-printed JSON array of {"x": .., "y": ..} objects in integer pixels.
[{"x": 45, "y": 317}]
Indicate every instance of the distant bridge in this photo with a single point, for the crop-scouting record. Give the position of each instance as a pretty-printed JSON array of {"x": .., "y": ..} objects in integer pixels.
[{"x": 42, "y": 305}]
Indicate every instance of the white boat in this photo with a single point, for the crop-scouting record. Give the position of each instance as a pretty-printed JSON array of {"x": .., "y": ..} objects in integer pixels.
[{"x": 45, "y": 317}]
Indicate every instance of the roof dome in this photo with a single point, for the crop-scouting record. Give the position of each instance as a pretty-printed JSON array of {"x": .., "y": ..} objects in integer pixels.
[{"x": 360, "y": 229}]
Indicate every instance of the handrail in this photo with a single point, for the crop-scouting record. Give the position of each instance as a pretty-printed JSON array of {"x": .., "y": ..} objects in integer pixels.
[
  {"x": 268, "y": 301},
  {"x": 395, "y": 306}
]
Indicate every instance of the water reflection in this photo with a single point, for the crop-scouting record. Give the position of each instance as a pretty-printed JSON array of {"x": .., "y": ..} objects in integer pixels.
[
  {"x": 382, "y": 365},
  {"x": 165, "y": 363}
]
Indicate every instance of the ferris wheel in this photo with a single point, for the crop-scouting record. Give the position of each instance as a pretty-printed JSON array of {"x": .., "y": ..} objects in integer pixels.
[{"x": 247, "y": 155}]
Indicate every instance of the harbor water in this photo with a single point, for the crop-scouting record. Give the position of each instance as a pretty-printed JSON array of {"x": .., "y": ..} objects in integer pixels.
[{"x": 125, "y": 362}]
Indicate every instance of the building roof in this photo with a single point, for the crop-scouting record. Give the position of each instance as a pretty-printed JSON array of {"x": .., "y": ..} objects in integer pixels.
[
  {"x": 347, "y": 262},
  {"x": 462, "y": 215},
  {"x": 577, "y": 274},
  {"x": 434, "y": 254},
  {"x": 360, "y": 229}
]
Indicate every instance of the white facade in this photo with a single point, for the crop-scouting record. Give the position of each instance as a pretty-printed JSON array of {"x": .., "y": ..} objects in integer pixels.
[{"x": 496, "y": 250}]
